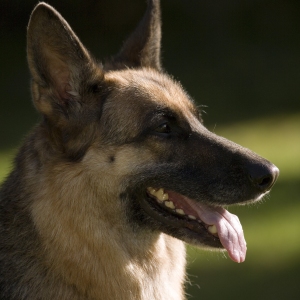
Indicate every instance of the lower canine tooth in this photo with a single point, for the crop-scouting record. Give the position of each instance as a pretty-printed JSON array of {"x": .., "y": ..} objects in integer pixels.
[
  {"x": 192, "y": 217},
  {"x": 169, "y": 204},
  {"x": 212, "y": 229}
]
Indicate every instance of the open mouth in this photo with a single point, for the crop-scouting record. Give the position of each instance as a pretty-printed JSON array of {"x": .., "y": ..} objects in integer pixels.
[{"x": 214, "y": 226}]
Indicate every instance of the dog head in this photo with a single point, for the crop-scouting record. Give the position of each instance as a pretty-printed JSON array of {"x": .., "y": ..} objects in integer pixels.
[{"x": 143, "y": 132}]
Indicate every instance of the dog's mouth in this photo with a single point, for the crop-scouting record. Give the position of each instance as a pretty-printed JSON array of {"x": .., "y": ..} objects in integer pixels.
[{"x": 212, "y": 226}]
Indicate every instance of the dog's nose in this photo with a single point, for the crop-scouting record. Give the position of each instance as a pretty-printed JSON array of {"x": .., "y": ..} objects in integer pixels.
[{"x": 263, "y": 176}]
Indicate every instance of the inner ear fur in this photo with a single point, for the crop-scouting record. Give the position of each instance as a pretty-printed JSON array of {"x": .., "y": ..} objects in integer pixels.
[
  {"x": 142, "y": 48},
  {"x": 58, "y": 62}
]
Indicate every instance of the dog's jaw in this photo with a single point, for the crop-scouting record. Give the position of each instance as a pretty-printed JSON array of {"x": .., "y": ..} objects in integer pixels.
[{"x": 213, "y": 226}]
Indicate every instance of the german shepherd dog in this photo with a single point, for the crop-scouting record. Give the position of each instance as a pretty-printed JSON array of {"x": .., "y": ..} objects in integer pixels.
[{"x": 119, "y": 173}]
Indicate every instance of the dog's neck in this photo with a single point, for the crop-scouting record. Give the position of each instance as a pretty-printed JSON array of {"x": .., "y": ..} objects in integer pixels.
[{"x": 87, "y": 240}]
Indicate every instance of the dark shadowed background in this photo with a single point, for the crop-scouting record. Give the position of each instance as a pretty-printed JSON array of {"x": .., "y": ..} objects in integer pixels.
[{"x": 240, "y": 58}]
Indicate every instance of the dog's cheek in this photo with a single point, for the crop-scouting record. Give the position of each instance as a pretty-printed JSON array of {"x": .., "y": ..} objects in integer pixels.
[
  {"x": 119, "y": 161},
  {"x": 130, "y": 160}
]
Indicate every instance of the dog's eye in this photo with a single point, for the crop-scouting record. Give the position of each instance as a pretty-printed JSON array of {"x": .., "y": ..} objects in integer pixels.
[{"x": 163, "y": 128}]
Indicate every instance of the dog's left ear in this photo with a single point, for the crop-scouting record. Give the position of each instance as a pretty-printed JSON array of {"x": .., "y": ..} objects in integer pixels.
[
  {"x": 142, "y": 48},
  {"x": 62, "y": 69}
]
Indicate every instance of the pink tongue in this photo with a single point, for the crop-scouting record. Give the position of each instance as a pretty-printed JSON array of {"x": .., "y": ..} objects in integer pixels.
[{"x": 229, "y": 228}]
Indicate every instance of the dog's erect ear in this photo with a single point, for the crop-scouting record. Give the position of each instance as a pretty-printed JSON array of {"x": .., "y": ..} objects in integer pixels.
[
  {"x": 60, "y": 65},
  {"x": 142, "y": 48}
]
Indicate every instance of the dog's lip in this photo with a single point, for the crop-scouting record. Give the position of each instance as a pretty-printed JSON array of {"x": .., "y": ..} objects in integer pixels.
[{"x": 228, "y": 226}]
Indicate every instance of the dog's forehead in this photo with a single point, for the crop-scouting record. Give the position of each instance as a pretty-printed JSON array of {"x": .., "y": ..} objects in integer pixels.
[{"x": 152, "y": 90}]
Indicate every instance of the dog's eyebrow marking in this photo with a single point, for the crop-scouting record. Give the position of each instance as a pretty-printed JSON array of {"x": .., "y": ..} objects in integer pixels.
[{"x": 164, "y": 112}]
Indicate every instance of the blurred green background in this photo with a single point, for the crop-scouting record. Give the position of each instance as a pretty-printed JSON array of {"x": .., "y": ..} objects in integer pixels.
[{"x": 240, "y": 58}]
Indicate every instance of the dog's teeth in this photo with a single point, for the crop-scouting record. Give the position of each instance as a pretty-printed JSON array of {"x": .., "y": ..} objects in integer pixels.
[
  {"x": 169, "y": 204},
  {"x": 159, "y": 194},
  {"x": 165, "y": 197},
  {"x": 212, "y": 229},
  {"x": 152, "y": 191},
  {"x": 192, "y": 217},
  {"x": 180, "y": 211}
]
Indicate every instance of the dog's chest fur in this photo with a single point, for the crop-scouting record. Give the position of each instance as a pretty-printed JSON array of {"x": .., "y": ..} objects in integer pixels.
[{"x": 129, "y": 265}]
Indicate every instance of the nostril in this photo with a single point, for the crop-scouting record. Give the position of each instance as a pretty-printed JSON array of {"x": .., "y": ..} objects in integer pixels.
[
  {"x": 263, "y": 176},
  {"x": 265, "y": 181},
  {"x": 261, "y": 181}
]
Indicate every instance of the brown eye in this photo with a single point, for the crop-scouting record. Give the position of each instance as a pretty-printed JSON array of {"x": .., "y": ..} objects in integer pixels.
[{"x": 163, "y": 128}]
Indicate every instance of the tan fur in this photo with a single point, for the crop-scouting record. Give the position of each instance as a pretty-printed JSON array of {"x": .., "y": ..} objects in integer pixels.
[
  {"x": 85, "y": 237},
  {"x": 128, "y": 266}
]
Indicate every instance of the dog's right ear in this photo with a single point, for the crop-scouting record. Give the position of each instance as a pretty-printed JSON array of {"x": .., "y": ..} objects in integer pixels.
[
  {"x": 61, "y": 67},
  {"x": 142, "y": 48}
]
